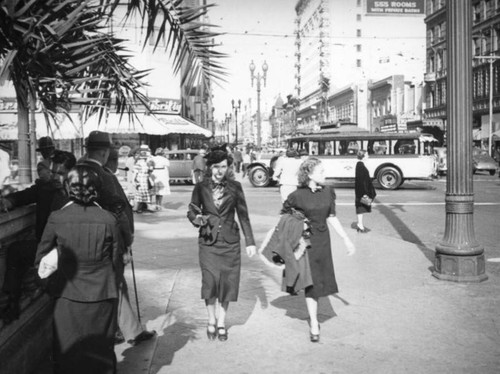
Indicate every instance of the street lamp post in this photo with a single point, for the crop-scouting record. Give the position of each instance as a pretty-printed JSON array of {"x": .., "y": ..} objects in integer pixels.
[
  {"x": 459, "y": 257},
  {"x": 236, "y": 108},
  {"x": 228, "y": 121},
  {"x": 258, "y": 77}
]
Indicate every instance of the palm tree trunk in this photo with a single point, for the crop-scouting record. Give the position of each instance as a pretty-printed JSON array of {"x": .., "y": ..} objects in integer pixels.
[{"x": 24, "y": 138}]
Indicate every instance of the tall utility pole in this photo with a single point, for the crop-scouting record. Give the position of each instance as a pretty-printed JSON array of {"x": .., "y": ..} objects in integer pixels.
[
  {"x": 258, "y": 78},
  {"x": 236, "y": 108},
  {"x": 459, "y": 257}
]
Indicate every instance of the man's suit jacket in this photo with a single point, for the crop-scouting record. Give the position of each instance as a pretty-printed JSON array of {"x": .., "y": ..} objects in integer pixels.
[
  {"x": 221, "y": 221},
  {"x": 113, "y": 199}
]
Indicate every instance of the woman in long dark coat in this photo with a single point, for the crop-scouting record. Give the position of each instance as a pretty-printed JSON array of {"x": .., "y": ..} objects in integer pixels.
[
  {"x": 362, "y": 186},
  {"x": 214, "y": 202},
  {"x": 87, "y": 241},
  {"x": 317, "y": 202}
]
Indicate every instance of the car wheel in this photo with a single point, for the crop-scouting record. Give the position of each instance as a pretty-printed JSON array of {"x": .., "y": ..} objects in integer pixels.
[
  {"x": 389, "y": 178},
  {"x": 259, "y": 176}
]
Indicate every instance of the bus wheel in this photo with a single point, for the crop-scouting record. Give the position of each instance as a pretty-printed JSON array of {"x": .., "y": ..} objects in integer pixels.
[
  {"x": 259, "y": 176},
  {"x": 389, "y": 178}
]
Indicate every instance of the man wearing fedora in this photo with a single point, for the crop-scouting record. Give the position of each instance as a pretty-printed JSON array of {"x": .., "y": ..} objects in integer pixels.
[
  {"x": 113, "y": 198},
  {"x": 47, "y": 149}
]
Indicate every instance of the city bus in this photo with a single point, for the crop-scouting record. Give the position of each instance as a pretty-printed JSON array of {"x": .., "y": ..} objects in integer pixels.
[{"x": 394, "y": 157}]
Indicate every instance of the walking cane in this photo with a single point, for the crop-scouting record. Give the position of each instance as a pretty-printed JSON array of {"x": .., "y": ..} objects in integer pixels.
[{"x": 135, "y": 285}]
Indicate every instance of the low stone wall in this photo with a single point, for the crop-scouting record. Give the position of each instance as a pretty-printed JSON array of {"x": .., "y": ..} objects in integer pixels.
[{"x": 25, "y": 342}]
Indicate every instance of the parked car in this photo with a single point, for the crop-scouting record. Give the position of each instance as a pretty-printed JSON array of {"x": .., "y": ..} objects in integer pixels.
[
  {"x": 260, "y": 171},
  {"x": 482, "y": 161},
  {"x": 181, "y": 162},
  {"x": 442, "y": 163}
]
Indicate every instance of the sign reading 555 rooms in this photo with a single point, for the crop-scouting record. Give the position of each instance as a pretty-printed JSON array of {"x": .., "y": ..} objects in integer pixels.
[{"x": 377, "y": 7}]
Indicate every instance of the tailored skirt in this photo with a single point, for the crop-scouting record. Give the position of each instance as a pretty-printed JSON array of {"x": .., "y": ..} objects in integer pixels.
[
  {"x": 84, "y": 336},
  {"x": 220, "y": 270}
]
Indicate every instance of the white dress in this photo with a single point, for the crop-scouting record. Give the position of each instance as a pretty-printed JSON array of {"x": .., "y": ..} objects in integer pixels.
[{"x": 161, "y": 175}]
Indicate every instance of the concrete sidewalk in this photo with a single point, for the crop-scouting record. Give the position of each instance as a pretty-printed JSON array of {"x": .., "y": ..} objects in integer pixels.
[{"x": 391, "y": 315}]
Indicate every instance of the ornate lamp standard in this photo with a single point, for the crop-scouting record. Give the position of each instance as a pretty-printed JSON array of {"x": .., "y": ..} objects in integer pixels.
[
  {"x": 228, "y": 121},
  {"x": 459, "y": 257},
  {"x": 236, "y": 108},
  {"x": 258, "y": 78}
]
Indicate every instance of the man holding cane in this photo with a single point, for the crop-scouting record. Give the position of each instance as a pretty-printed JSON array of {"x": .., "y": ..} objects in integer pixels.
[{"x": 104, "y": 159}]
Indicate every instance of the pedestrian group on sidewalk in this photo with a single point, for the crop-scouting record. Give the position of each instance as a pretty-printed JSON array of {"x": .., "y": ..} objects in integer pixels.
[{"x": 85, "y": 232}]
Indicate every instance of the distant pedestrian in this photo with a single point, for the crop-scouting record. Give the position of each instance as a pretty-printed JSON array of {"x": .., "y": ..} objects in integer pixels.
[
  {"x": 238, "y": 159},
  {"x": 286, "y": 173},
  {"x": 143, "y": 183},
  {"x": 161, "y": 177},
  {"x": 199, "y": 166},
  {"x": 362, "y": 186},
  {"x": 82, "y": 244},
  {"x": 246, "y": 161},
  {"x": 317, "y": 201},
  {"x": 214, "y": 203}
]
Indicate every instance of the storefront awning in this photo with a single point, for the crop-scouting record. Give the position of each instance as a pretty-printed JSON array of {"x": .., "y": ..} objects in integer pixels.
[
  {"x": 116, "y": 124},
  {"x": 66, "y": 128},
  {"x": 177, "y": 124}
]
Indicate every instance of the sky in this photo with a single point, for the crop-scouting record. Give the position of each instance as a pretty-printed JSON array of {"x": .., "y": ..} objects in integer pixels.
[{"x": 258, "y": 30}]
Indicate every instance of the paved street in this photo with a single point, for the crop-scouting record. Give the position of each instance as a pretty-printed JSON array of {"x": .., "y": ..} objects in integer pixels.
[{"x": 391, "y": 315}]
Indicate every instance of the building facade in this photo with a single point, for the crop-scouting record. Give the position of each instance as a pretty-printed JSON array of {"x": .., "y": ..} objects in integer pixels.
[
  {"x": 341, "y": 47},
  {"x": 485, "y": 31}
]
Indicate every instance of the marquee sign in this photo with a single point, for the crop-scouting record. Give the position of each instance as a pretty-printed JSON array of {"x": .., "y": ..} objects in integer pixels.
[{"x": 413, "y": 7}]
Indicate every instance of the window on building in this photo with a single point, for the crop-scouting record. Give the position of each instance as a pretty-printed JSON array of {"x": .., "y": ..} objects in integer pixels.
[
  {"x": 358, "y": 3},
  {"x": 488, "y": 8},
  {"x": 494, "y": 41},
  {"x": 358, "y": 63},
  {"x": 439, "y": 61},
  {"x": 358, "y": 17},
  {"x": 358, "y": 47},
  {"x": 476, "y": 13},
  {"x": 358, "y": 33},
  {"x": 432, "y": 64}
]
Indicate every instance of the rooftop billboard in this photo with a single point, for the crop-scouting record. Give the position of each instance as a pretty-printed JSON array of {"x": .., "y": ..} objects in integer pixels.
[{"x": 413, "y": 7}]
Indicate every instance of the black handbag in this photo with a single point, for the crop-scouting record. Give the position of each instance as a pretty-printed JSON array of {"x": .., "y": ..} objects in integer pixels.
[{"x": 365, "y": 200}]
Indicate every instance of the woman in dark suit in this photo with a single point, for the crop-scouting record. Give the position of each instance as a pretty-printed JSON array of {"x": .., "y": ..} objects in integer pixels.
[
  {"x": 213, "y": 205},
  {"x": 87, "y": 241},
  {"x": 362, "y": 186}
]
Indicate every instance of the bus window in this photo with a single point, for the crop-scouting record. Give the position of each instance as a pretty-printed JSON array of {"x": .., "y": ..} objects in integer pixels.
[
  {"x": 378, "y": 147},
  {"x": 353, "y": 147},
  {"x": 313, "y": 148},
  {"x": 327, "y": 148},
  {"x": 405, "y": 147}
]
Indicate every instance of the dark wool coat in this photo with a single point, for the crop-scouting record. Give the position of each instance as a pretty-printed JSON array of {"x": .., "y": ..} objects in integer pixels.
[
  {"x": 363, "y": 186},
  {"x": 286, "y": 237}
]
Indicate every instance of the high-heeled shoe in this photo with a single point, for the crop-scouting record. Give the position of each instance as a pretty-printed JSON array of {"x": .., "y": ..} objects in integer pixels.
[
  {"x": 314, "y": 337},
  {"x": 360, "y": 230},
  {"x": 222, "y": 332},
  {"x": 211, "y": 334}
]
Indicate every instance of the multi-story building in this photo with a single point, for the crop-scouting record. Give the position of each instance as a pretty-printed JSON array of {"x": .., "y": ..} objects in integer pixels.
[
  {"x": 342, "y": 43},
  {"x": 485, "y": 41}
]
